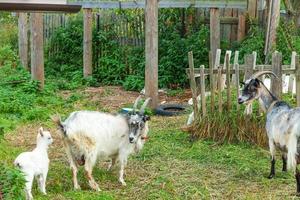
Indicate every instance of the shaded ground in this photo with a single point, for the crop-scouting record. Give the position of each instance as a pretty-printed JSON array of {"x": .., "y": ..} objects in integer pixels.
[{"x": 169, "y": 167}]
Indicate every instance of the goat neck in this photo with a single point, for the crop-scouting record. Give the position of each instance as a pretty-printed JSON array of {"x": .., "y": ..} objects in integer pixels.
[{"x": 266, "y": 98}]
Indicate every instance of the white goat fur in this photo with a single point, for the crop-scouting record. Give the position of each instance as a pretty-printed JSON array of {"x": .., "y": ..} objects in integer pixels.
[
  {"x": 35, "y": 164},
  {"x": 100, "y": 136}
]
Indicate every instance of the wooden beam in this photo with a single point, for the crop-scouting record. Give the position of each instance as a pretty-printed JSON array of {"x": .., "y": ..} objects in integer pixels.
[
  {"x": 37, "y": 48},
  {"x": 23, "y": 39},
  {"x": 33, "y": 7},
  {"x": 214, "y": 32},
  {"x": 87, "y": 42},
  {"x": 239, "y": 4},
  {"x": 151, "y": 51}
]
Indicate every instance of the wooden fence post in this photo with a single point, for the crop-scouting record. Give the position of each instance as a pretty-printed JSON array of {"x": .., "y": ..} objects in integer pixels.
[
  {"x": 193, "y": 85},
  {"x": 23, "y": 39},
  {"x": 202, "y": 89},
  {"x": 37, "y": 48},
  {"x": 228, "y": 81},
  {"x": 297, "y": 74},
  {"x": 151, "y": 51},
  {"x": 220, "y": 100},
  {"x": 87, "y": 42},
  {"x": 276, "y": 85},
  {"x": 212, "y": 83},
  {"x": 214, "y": 31}
]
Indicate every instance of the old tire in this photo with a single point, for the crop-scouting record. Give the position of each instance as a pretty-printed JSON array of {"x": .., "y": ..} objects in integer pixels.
[{"x": 169, "y": 109}]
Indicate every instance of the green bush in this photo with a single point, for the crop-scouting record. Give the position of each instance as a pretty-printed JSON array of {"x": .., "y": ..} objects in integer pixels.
[
  {"x": 8, "y": 56},
  {"x": 8, "y": 30},
  {"x": 12, "y": 183},
  {"x": 123, "y": 65}
]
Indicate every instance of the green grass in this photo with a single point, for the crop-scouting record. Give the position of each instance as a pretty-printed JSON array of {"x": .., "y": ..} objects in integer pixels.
[{"x": 169, "y": 167}]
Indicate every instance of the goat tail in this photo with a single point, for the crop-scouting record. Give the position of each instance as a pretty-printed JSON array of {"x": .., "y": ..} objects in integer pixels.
[
  {"x": 292, "y": 153},
  {"x": 57, "y": 120}
]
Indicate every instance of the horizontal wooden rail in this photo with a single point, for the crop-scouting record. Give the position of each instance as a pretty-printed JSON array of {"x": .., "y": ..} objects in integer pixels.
[
  {"x": 232, "y": 71},
  {"x": 237, "y": 4}
]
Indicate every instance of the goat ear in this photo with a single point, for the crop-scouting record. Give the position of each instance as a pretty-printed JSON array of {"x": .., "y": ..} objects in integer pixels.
[
  {"x": 256, "y": 82},
  {"x": 146, "y": 118},
  {"x": 41, "y": 130}
]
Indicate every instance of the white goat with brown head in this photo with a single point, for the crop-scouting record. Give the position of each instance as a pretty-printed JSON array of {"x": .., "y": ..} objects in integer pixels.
[
  {"x": 91, "y": 135},
  {"x": 283, "y": 124}
]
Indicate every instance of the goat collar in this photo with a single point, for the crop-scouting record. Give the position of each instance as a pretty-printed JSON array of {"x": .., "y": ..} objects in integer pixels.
[
  {"x": 272, "y": 105},
  {"x": 145, "y": 138}
]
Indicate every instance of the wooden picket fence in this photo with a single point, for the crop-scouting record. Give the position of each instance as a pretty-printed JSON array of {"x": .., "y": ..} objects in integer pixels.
[{"x": 230, "y": 75}]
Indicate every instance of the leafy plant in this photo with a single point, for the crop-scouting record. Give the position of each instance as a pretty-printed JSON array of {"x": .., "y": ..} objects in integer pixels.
[{"x": 12, "y": 183}]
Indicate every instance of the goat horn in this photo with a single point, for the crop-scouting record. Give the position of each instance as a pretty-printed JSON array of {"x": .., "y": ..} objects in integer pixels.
[
  {"x": 136, "y": 103},
  {"x": 142, "y": 110},
  {"x": 260, "y": 73}
]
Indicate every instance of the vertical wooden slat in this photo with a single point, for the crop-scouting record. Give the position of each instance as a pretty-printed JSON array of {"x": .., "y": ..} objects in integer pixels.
[
  {"x": 249, "y": 60},
  {"x": 237, "y": 80},
  {"x": 225, "y": 67},
  {"x": 228, "y": 81},
  {"x": 151, "y": 50},
  {"x": 193, "y": 85},
  {"x": 235, "y": 62},
  {"x": 23, "y": 39},
  {"x": 297, "y": 80},
  {"x": 37, "y": 48},
  {"x": 241, "y": 27},
  {"x": 220, "y": 100},
  {"x": 276, "y": 85},
  {"x": 292, "y": 76},
  {"x": 212, "y": 82},
  {"x": 87, "y": 42},
  {"x": 214, "y": 30},
  {"x": 202, "y": 90}
]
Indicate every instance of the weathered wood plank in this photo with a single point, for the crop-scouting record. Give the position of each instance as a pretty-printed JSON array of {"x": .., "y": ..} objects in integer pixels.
[
  {"x": 202, "y": 90},
  {"x": 228, "y": 85},
  {"x": 212, "y": 83},
  {"x": 193, "y": 85},
  {"x": 292, "y": 76},
  {"x": 297, "y": 80},
  {"x": 241, "y": 27},
  {"x": 37, "y": 48},
  {"x": 220, "y": 100},
  {"x": 87, "y": 42},
  {"x": 238, "y": 4},
  {"x": 214, "y": 31},
  {"x": 23, "y": 39},
  {"x": 151, "y": 51},
  {"x": 276, "y": 85}
]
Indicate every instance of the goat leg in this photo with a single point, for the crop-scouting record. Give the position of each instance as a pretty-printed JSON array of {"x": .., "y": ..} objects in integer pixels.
[
  {"x": 297, "y": 176},
  {"x": 284, "y": 163},
  {"x": 272, "y": 173}
]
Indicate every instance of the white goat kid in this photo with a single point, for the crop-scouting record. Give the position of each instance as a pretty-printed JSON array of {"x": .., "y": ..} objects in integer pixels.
[
  {"x": 91, "y": 135},
  {"x": 35, "y": 164}
]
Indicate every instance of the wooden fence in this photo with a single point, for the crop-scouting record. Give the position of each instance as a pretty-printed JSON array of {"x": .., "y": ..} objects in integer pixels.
[{"x": 230, "y": 75}]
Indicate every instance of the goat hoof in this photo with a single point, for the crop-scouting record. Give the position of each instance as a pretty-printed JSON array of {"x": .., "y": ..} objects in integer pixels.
[
  {"x": 77, "y": 187},
  {"x": 271, "y": 176},
  {"x": 123, "y": 182}
]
